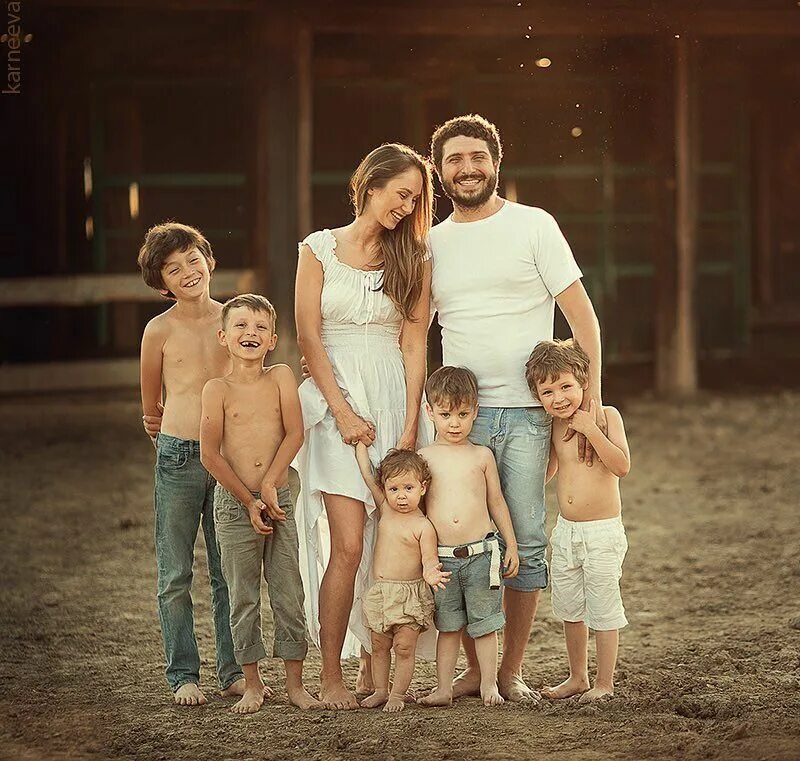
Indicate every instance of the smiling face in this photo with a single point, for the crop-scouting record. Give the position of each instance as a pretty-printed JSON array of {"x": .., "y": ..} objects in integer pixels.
[
  {"x": 186, "y": 274},
  {"x": 468, "y": 175},
  {"x": 248, "y": 334},
  {"x": 452, "y": 424},
  {"x": 561, "y": 396},
  {"x": 404, "y": 491},
  {"x": 396, "y": 200}
]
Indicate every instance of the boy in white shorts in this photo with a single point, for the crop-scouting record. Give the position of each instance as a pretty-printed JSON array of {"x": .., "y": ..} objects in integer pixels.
[{"x": 588, "y": 542}]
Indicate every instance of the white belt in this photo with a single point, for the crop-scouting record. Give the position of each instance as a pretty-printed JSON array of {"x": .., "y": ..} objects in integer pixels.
[{"x": 489, "y": 544}]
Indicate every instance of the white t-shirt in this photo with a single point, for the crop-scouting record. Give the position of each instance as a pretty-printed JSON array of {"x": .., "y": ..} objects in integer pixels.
[{"x": 494, "y": 287}]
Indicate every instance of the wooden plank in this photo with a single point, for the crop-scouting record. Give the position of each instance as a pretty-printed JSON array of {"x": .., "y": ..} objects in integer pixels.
[
  {"x": 83, "y": 290},
  {"x": 69, "y": 376},
  {"x": 305, "y": 135},
  {"x": 683, "y": 375}
]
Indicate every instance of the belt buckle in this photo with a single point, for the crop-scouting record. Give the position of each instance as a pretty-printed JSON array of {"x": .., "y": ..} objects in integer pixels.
[{"x": 461, "y": 552}]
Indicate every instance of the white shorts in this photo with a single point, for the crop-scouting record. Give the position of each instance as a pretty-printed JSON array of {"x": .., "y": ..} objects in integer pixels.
[{"x": 585, "y": 570}]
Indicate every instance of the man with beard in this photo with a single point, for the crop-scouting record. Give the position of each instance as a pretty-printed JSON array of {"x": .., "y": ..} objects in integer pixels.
[{"x": 498, "y": 269}]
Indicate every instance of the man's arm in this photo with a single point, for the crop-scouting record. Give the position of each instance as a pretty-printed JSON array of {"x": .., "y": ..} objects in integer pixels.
[
  {"x": 576, "y": 306},
  {"x": 151, "y": 366},
  {"x": 365, "y": 466},
  {"x": 292, "y": 418},
  {"x": 498, "y": 510},
  {"x": 611, "y": 448},
  {"x": 211, "y": 426}
]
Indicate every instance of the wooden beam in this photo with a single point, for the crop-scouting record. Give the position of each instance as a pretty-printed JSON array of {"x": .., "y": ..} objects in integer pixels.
[
  {"x": 513, "y": 21},
  {"x": 69, "y": 376},
  {"x": 305, "y": 134},
  {"x": 683, "y": 375},
  {"x": 83, "y": 290}
]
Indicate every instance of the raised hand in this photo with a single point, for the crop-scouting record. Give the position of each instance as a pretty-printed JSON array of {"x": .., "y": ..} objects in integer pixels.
[{"x": 436, "y": 577}]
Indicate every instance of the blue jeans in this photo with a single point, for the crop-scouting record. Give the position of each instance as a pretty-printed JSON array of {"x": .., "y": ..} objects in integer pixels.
[
  {"x": 184, "y": 498},
  {"x": 519, "y": 437}
]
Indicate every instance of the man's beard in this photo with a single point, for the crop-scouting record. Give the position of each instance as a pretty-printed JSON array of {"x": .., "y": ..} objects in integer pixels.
[{"x": 467, "y": 200}]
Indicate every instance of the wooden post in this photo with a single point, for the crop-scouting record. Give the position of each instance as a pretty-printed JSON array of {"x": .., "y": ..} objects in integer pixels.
[
  {"x": 764, "y": 175},
  {"x": 682, "y": 377},
  {"x": 305, "y": 134},
  {"x": 259, "y": 236}
]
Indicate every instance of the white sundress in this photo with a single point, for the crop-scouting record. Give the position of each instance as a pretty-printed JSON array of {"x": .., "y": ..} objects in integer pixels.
[{"x": 360, "y": 332}]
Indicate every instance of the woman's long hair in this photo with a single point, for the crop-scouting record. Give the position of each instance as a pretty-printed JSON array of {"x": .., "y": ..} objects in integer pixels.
[{"x": 404, "y": 248}]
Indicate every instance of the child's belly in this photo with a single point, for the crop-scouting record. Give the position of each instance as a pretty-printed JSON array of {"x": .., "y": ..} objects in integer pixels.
[
  {"x": 396, "y": 563},
  {"x": 589, "y": 499}
]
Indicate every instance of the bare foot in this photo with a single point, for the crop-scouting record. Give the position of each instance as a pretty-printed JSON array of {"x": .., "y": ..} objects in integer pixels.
[
  {"x": 335, "y": 696},
  {"x": 567, "y": 689},
  {"x": 439, "y": 697},
  {"x": 491, "y": 696},
  {"x": 300, "y": 697},
  {"x": 597, "y": 693},
  {"x": 513, "y": 688},
  {"x": 376, "y": 700},
  {"x": 189, "y": 695},
  {"x": 468, "y": 682},
  {"x": 251, "y": 701},
  {"x": 238, "y": 687},
  {"x": 394, "y": 704}
]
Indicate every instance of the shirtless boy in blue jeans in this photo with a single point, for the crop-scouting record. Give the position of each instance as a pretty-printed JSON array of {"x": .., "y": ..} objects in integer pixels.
[{"x": 180, "y": 352}]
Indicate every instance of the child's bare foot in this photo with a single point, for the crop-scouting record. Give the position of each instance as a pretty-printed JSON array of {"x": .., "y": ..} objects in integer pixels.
[
  {"x": 238, "y": 687},
  {"x": 376, "y": 700},
  {"x": 335, "y": 696},
  {"x": 300, "y": 697},
  {"x": 512, "y": 687},
  {"x": 189, "y": 695},
  {"x": 567, "y": 689},
  {"x": 251, "y": 701},
  {"x": 468, "y": 682},
  {"x": 491, "y": 696},
  {"x": 439, "y": 697},
  {"x": 364, "y": 684},
  {"x": 597, "y": 693},
  {"x": 394, "y": 704}
]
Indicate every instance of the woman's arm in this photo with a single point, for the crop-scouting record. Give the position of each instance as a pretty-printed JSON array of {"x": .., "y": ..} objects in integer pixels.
[
  {"x": 414, "y": 346},
  {"x": 308, "y": 317}
]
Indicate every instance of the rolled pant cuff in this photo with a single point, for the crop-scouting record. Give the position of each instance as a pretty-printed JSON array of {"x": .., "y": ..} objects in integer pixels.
[
  {"x": 252, "y": 654},
  {"x": 487, "y": 626},
  {"x": 290, "y": 651},
  {"x": 180, "y": 684},
  {"x": 528, "y": 579},
  {"x": 235, "y": 678}
]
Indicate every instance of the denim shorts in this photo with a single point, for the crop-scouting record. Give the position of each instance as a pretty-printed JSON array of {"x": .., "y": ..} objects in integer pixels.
[
  {"x": 467, "y": 599},
  {"x": 519, "y": 438}
]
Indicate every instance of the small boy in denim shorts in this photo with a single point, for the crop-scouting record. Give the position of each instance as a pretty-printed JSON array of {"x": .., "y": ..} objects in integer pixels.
[
  {"x": 588, "y": 542},
  {"x": 463, "y": 500},
  {"x": 251, "y": 429}
]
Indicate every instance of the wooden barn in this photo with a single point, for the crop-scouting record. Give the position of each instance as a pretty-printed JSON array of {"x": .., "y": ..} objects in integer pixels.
[{"x": 664, "y": 135}]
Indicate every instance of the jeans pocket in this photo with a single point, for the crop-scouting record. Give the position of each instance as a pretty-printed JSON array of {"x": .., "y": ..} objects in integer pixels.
[
  {"x": 539, "y": 422},
  {"x": 171, "y": 459},
  {"x": 227, "y": 513}
]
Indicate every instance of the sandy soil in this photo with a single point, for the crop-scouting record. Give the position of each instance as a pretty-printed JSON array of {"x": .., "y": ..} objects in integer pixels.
[{"x": 709, "y": 667}]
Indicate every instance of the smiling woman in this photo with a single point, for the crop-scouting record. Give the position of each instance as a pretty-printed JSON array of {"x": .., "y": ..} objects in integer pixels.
[{"x": 362, "y": 309}]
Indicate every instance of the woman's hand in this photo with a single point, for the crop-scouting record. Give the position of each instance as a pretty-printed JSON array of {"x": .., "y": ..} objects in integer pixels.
[
  {"x": 407, "y": 441},
  {"x": 354, "y": 428}
]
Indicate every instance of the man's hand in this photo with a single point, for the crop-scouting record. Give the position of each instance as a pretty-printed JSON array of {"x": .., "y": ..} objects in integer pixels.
[
  {"x": 594, "y": 407},
  {"x": 304, "y": 368},
  {"x": 511, "y": 562},
  {"x": 436, "y": 577},
  {"x": 269, "y": 498},
  {"x": 255, "y": 509},
  {"x": 152, "y": 423}
]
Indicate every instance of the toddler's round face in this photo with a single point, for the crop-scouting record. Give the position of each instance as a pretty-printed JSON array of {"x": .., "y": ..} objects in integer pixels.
[{"x": 404, "y": 492}]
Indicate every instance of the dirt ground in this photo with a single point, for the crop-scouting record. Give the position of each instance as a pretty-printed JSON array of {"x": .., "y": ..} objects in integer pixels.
[{"x": 709, "y": 666}]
